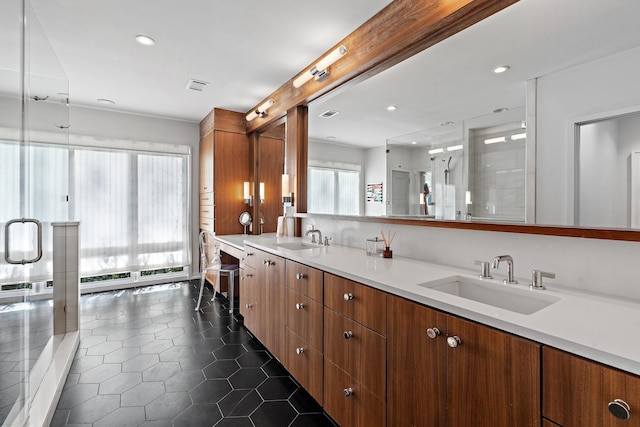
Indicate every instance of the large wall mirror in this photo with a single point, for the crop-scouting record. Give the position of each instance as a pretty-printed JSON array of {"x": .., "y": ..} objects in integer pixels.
[{"x": 552, "y": 140}]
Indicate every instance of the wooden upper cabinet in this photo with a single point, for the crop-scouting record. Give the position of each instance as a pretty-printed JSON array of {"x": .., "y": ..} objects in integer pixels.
[
  {"x": 206, "y": 163},
  {"x": 577, "y": 392}
]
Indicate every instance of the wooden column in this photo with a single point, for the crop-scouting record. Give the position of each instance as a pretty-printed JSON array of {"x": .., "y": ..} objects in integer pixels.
[{"x": 296, "y": 158}]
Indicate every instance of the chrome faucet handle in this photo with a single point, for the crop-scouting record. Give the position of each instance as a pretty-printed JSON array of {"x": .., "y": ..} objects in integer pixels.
[
  {"x": 536, "y": 278},
  {"x": 484, "y": 271},
  {"x": 326, "y": 241}
]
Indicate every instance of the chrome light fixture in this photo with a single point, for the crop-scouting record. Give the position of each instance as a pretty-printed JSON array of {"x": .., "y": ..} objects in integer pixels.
[
  {"x": 287, "y": 195},
  {"x": 319, "y": 71},
  {"x": 261, "y": 111}
]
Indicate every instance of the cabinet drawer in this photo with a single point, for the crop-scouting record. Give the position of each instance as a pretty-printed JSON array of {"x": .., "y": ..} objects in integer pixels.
[
  {"x": 206, "y": 212},
  {"x": 304, "y": 279},
  {"x": 252, "y": 257},
  {"x": 206, "y": 199},
  {"x": 304, "y": 317},
  {"x": 348, "y": 402},
  {"x": 576, "y": 392},
  {"x": 305, "y": 364},
  {"x": 356, "y": 301},
  {"x": 206, "y": 224},
  {"x": 357, "y": 350}
]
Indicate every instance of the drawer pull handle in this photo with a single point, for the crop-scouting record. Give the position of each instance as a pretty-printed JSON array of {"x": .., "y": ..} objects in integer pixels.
[
  {"x": 620, "y": 409},
  {"x": 454, "y": 341},
  {"x": 348, "y": 392},
  {"x": 299, "y": 276},
  {"x": 348, "y": 296},
  {"x": 347, "y": 334},
  {"x": 433, "y": 332},
  {"x": 299, "y": 306},
  {"x": 299, "y": 350}
]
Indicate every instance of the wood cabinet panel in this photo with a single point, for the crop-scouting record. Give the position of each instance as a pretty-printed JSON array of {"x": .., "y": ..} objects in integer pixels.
[
  {"x": 305, "y": 364},
  {"x": 415, "y": 362},
  {"x": 251, "y": 302},
  {"x": 206, "y": 163},
  {"x": 357, "y": 350},
  {"x": 361, "y": 303},
  {"x": 305, "y": 318},
  {"x": 348, "y": 402},
  {"x": 547, "y": 423},
  {"x": 493, "y": 378},
  {"x": 271, "y": 168},
  {"x": 576, "y": 392},
  {"x": 304, "y": 279}
]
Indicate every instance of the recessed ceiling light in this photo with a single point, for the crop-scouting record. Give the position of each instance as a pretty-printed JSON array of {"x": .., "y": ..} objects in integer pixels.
[
  {"x": 500, "y": 110},
  {"x": 145, "y": 40},
  {"x": 501, "y": 69},
  {"x": 446, "y": 123},
  {"x": 331, "y": 137},
  {"x": 392, "y": 108},
  {"x": 414, "y": 142},
  {"x": 106, "y": 101}
]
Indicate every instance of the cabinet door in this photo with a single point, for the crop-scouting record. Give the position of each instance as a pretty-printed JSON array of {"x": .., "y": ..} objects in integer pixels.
[
  {"x": 493, "y": 378},
  {"x": 270, "y": 275},
  {"x": 304, "y": 317},
  {"x": 206, "y": 163},
  {"x": 416, "y": 369},
  {"x": 357, "y": 350},
  {"x": 348, "y": 402},
  {"x": 231, "y": 159},
  {"x": 251, "y": 300},
  {"x": 361, "y": 303},
  {"x": 305, "y": 364},
  {"x": 577, "y": 392}
]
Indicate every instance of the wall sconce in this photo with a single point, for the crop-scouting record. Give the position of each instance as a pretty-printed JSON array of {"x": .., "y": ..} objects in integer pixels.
[
  {"x": 261, "y": 111},
  {"x": 319, "y": 71},
  {"x": 287, "y": 196},
  {"x": 247, "y": 193},
  {"x": 262, "y": 192}
]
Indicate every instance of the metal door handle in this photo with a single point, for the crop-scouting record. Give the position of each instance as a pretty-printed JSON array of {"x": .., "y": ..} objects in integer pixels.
[{"x": 7, "y": 255}]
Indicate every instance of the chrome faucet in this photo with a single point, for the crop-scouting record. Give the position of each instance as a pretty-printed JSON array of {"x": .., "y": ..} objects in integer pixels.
[
  {"x": 313, "y": 235},
  {"x": 496, "y": 262}
]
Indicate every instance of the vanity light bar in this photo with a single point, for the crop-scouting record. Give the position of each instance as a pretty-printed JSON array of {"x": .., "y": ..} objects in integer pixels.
[
  {"x": 495, "y": 140},
  {"x": 454, "y": 148},
  {"x": 320, "y": 68},
  {"x": 436, "y": 151},
  {"x": 518, "y": 136}
]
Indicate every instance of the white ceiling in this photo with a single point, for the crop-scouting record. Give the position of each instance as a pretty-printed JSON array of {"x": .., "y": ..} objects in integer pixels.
[
  {"x": 453, "y": 80},
  {"x": 245, "y": 48}
]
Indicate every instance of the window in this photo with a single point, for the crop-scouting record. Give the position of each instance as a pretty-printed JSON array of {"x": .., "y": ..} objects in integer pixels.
[{"x": 334, "y": 188}]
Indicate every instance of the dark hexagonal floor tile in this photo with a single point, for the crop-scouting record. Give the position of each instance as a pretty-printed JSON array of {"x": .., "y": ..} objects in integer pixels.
[
  {"x": 253, "y": 359},
  {"x": 176, "y": 353},
  {"x": 237, "y": 337},
  {"x": 198, "y": 415},
  {"x": 277, "y": 388},
  {"x": 93, "y": 409},
  {"x": 313, "y": 420},
  {"x": 120, "y": 383},
  {"x": 303, "y": 402},
  {"x": 230, "y": 351},
  {"x": 274, "y": 369},
  {"x": 215, "y": 332},
  {"x": 210, "y": 391},
  {"x": 184, "y": 380},
  {"x": 142, "y": 394},
  {"x": 221, "y": 369},
  {"x": 273, "y": 414},
  {"x": 235, "y": 422},
  {"x": 240, "y": 403},
  {"x": 197, "y": 361},
  {"x": 161, "y": 371},
  {"x": 79, "y": 393},
  {"x": 247, "y": 378},
  {"x": 123, "y": 417},
  {"x": 168, "y": 406}
]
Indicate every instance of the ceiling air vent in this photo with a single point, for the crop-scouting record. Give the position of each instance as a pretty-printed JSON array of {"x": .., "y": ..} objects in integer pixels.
[
  {"x": 198, "y": 85},
  {"x": 329, "y": 113}
]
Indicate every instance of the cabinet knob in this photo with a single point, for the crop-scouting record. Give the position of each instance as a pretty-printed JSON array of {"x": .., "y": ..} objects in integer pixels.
[
  {"x": 249, "y": 253},
  {"x": 247, "y": 306},
  {"x": 348, "y": 296},
  {"x": 266, "y": 262},
  {"x": 454, "y": 341},
  {"x": 347, "y": 334},
  {"x": 348, "y": 392},
  {"x": 299, "y": 350},
  {"x": 620, "y": 409},
  {"x": 433, "y": 332},
  {"x": 299, "y": 306},
  {"x": 299, "y": 276},
  {"x": 248, "y": 275}
]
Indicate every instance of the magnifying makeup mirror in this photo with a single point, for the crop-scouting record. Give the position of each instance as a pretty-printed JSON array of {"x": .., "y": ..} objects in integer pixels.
[{"x": 245, "y": 220}]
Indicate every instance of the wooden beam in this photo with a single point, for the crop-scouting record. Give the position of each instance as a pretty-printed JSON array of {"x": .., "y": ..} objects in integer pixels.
[{"x": 397, "y": 32}]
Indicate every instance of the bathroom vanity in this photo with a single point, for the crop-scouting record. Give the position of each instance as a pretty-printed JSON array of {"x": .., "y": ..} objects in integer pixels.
[{"x": 395, "y": 342}]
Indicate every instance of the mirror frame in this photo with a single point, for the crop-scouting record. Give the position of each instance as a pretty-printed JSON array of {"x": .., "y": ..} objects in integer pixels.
[{"x": 370, "y": 51}]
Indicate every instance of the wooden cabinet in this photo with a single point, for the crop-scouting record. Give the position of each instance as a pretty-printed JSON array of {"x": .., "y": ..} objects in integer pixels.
[
  {"x": 304, "y": 326},
  {"x": 224, "y": 167},
  {"x": 489, "y": 378},
  {"x": 355, "y": 352},
  {"x": 577, "y": 392},
  {"x": 252, "y": 301},
  {"x": 268, "y": 292}
]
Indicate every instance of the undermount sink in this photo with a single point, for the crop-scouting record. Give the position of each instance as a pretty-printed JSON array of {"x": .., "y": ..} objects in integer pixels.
[
  {"x": 298, "y": 246},
  {"x": 507, "y": 297}
]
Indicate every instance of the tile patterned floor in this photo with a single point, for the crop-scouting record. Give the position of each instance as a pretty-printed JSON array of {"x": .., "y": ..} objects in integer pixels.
[{"x": 146, "y": 358}]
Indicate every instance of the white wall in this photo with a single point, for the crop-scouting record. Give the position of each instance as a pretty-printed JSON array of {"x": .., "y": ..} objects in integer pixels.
[
  {"x": 603, "y": 266},
  {"x": 588, "y": 90}
]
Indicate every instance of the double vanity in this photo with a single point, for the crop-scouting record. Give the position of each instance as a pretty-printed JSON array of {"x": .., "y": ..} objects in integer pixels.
[{"x": 401, "y": 342}]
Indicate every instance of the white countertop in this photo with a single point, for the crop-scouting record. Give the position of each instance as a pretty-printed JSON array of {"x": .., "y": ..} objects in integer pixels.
[{"x": 601, "y": 328}]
